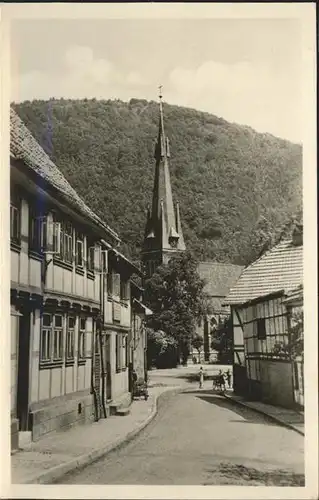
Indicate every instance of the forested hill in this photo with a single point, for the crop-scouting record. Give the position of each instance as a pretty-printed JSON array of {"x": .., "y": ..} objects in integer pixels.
[{"x": 236, "y": 187}]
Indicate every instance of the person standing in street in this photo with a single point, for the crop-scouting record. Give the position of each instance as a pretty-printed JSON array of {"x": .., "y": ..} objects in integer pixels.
[
  {"x": 201, "y": 377},
  {"x": 228, "y": 376}
]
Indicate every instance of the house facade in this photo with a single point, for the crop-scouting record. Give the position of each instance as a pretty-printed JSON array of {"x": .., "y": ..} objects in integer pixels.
[
  {"x": 138, "y": 336},
  {"x": 218, "y": 278},
  {"x": 70, "y": 298},
  {"x": 261, "y": 304}
]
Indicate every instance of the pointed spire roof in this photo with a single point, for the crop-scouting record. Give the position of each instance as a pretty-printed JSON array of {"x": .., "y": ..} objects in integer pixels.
[
  {"x": 163, "y": 230},
  {"x": 162, "y": 190}
]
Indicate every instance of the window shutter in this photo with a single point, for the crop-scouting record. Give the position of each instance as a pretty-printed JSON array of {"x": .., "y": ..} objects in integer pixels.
[
  {"x": 109, "y": 283},
  {"x": 116, "y": 284}
]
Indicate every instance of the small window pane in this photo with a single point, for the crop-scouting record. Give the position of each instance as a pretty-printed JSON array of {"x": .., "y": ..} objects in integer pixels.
[
  {"x": 58, "y": 321},
  {"x": 46, "y": 319},
  {"x": 71, "y": 322},
  {"x": 83, "y": 324}
]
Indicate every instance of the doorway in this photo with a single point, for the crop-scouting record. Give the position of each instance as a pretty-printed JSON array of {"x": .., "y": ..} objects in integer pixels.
[
  {"x": 23, "y": 370},
  {"x": 108, "y": 367}
]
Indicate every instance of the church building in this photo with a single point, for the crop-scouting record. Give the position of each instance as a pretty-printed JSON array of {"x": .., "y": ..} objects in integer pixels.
[{"x": 163, "y": 232}]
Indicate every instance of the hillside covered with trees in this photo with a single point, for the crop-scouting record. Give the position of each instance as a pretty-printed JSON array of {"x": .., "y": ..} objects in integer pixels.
[{"x": 237, "y": 188}]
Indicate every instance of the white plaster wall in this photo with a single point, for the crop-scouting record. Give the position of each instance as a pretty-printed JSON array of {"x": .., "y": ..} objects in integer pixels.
[
  {"x": 56, "y": 378},
  {"x": 35, "y": 272},
  {"x": 15, "y": 265},
  {"x": 44, "y": 384}
]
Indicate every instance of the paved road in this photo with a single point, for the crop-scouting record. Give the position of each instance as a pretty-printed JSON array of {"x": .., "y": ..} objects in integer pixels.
[{"x": 201, "y": 438}]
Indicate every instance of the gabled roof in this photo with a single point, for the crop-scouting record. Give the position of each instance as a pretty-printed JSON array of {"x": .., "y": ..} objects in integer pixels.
[
  {"x": 23, "y": 146},
  {"x": 281, "y": 268},
  {"x": 219, "y": 277}
]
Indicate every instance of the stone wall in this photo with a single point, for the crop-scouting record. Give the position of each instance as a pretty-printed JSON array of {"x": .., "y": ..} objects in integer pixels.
[
  {"x": 277, "y": 382},
  {"x": 61, "y": 414}
]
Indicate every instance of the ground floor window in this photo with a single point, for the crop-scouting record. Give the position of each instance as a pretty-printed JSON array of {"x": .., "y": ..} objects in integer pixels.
[
  {"x": 70, "y": 338},
  {"x": 81, "y": 338},
  {"x": 60, "y": 333},
  {"x": 51, "y": 348},
  {"x": 121, "y": 351}
]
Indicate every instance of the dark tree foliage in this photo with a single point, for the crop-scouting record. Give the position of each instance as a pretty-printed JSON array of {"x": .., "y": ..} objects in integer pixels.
[
  {"x": 175, "y": 295},
  {"x": 237, "y": 189}
]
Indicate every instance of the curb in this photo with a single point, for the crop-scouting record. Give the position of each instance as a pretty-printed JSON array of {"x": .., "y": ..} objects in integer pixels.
[
  {"x": 261, "y": 412},
  {"x": 57, "y": 472}
]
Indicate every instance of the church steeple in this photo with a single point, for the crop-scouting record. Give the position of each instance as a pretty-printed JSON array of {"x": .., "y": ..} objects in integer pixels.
[{"x": 163, "y": 231}]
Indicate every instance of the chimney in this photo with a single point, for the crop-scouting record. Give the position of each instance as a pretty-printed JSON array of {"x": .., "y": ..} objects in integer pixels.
[{"x": 297, "y": 235}]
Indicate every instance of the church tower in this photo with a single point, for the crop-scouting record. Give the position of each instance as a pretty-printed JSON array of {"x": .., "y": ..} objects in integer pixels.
[{"x": 163, "y": 231}]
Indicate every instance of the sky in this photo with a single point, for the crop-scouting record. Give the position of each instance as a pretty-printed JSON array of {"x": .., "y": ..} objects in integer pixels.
[{"x": 247, "y": 71}]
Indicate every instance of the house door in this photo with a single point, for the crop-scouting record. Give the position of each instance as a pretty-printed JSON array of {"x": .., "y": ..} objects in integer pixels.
[
  {"x": 23, "y": 371},
  {"x": 108, "y": 367}
]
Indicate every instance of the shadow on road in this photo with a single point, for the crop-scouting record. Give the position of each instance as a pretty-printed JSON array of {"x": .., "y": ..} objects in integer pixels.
[{"x": 247, "y": 414}]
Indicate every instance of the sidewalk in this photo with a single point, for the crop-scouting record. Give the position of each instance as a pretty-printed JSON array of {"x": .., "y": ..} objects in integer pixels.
[
  {"x": 50, "y": 458},
  {"x": 289, "y": 418}
]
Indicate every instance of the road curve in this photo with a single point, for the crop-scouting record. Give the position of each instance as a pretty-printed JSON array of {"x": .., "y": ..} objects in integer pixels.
[{"x": 199, "y": 437}]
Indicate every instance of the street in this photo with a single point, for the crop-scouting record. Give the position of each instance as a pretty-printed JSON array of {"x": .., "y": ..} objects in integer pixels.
[{"x": 199, "y": 437}]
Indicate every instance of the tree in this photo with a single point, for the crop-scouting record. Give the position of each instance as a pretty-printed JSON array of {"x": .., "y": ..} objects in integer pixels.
[
  {"x": 223, "y": 340},
  {"x": 160, "y": 349},
  {"x": 175, "y": 295},
  {"x": 197, "y": 343}
]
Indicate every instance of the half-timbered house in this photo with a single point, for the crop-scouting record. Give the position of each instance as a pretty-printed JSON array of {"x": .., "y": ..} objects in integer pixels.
[
  {"x": 261, "y": 304},
  {"x": 70, "y": 298}
]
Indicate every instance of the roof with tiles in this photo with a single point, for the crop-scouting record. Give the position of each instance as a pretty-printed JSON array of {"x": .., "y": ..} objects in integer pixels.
[
  {"x": 23, "y": 146},
  {"x": 281, "y": 268},
  {"x": 219, "y": 277}
]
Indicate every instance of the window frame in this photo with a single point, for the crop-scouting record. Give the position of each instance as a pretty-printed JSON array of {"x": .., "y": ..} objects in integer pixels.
[
  {"x": 70, "y": 335},
  {"x": 121, "y": 352},
  {"x": 261, "y": 328},
  {"x": 53, "y": 335},
  {"x": 82, "y": 339},
  {"x": 79, "y": 241},
  {"x": 66, "y": 243},
  {"x": 15, "y": 207}
]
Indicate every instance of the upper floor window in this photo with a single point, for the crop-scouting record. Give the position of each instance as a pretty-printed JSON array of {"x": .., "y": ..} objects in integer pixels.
[
  {"x": 66, "y": 248},
  {"x": 15, "y": 220},
  {"x": 114, "y": 284},
  {"x": 44, "y": 233},
  {"x": 90, "y": 256},
  {"x": 79, "y": 250},
  {"x": 124, "y": 289},
  {"x": 261, "y": 328}
]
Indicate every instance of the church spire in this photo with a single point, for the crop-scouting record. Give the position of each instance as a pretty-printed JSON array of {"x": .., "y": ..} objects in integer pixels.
[{"x": 163, "y": 232}]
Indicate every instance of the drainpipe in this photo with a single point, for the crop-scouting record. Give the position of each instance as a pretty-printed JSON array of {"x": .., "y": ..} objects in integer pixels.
[{"x": 102, "y": 285}]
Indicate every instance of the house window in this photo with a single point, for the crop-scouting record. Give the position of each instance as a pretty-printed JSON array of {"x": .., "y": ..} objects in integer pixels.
[
  {"x": 109, "y": 283},
  {"x": 66, "y": 242},
  {"x": 121, "y": 352},
  {"x": 82, "y": 334},
  {"x": 124, "y": 289},
  {"x": 261, "y": 328},
  {"x": 15, "y": 220},
  {"x": 79, "y": 249},
  {"x": 70, "y": 338},
  {"x": 90, "y": 256},
  {"x": 51, "y": 338},
  {"x": 35, "y": 233},
  {"x": 58, "y": 337}
]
